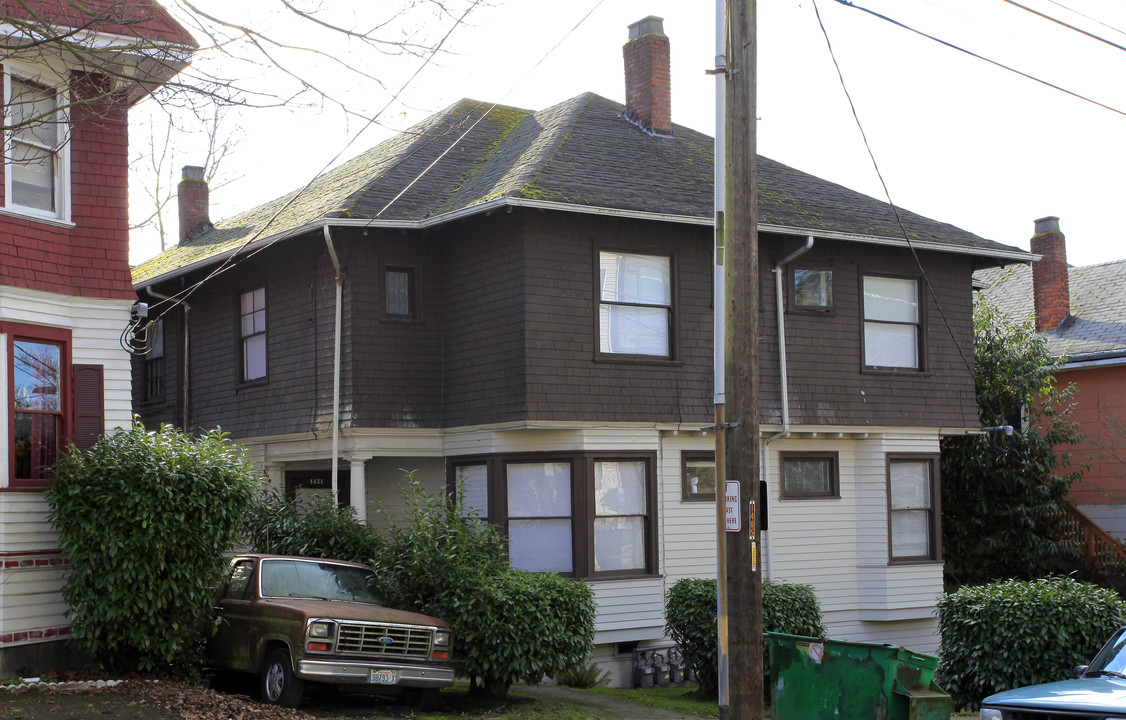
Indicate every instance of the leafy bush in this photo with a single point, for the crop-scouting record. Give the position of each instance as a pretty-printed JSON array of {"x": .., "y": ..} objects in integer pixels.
[
  {"x": 510, "y": 626},
  {"x": 312, "y": 527},
  {"x": 690, "y": 613},
  {"x": 1013, "y": 633},
  {"x": 145, "y": 518}
]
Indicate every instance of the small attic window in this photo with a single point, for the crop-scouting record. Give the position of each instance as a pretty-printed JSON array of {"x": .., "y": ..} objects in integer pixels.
[{"x": 813, "y": 288}]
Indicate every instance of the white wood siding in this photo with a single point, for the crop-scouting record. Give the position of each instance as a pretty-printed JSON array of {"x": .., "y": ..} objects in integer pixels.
[{"x": 628, "y": 610}]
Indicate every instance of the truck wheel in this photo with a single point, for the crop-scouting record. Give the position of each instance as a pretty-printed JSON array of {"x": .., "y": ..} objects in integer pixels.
[{"x": 276, "y": 682}]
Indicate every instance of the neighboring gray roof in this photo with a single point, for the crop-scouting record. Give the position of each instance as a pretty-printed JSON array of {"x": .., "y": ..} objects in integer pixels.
[
  {"x": 580, "y": 154},
  {"x": 1096, "y": 326}
]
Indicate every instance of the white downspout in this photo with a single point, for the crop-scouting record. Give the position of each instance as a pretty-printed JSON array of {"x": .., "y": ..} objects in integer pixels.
[
  {"x": 779, "y": 304},
  {"x": 185, "y": 382},
  {"x": 335, "y": 364}
]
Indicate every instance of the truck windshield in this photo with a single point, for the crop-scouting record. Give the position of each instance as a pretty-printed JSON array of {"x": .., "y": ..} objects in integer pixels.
[
  {"x": 1112, "y": 658},
  {"x": 317, "y": 579}
]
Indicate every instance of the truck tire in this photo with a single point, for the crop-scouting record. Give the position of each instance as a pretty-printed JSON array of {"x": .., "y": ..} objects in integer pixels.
[{"x": 277, "y": 684}]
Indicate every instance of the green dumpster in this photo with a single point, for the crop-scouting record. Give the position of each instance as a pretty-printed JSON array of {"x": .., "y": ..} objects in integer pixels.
[{"x": 812, "y": 679}]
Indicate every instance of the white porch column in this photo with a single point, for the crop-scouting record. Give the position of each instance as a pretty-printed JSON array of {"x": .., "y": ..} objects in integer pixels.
[
  {"x": 276, "y": 473},
  {"x": 358, "y": 487}
]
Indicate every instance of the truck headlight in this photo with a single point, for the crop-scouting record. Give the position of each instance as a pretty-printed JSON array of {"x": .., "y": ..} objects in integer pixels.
[
  {"x": 989, "y": 714},
  {"x": 442, "y": 638},
  {"x": 321, "y": 630}
]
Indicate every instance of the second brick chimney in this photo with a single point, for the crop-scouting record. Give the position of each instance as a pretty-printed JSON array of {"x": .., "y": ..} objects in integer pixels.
[
  {"x": 1050, "y": 288},
  {"x": 648, "y": 86},
  {"x": 193, "y": 199}
]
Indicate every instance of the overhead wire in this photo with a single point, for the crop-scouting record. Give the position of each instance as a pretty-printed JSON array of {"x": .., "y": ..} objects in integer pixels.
[
  {"x": 235, "y": 258},
  {"x": 972, "y": 54},
  {"x": 1087, "y": 17},
  {"x": 229, "y": 261},
  {"x": 1079, "y": 30},
  {"x": 887, "y": 192}
]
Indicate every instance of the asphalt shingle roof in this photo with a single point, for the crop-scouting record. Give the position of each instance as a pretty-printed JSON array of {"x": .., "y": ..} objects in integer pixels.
[
  {"x": 581, "y": 152},
  {"x": 1097, "y": 322}
]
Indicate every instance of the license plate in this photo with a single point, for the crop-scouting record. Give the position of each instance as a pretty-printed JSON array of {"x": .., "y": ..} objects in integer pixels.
[{"x": 383, "y": 677}]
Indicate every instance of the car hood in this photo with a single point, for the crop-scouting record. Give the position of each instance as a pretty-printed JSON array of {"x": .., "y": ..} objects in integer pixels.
[
  {"x": 1096, "y": 694},
  {"x": 363, "y": 612}
]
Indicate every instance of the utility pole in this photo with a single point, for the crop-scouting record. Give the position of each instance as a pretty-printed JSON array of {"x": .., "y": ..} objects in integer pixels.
[{"x": 741, "y": 408}]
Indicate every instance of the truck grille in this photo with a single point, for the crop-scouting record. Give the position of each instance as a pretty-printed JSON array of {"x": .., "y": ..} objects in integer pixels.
[{"x": 383, "y": 641}]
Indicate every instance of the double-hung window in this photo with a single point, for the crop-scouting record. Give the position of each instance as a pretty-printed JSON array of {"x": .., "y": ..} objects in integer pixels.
[
  {"x": 36, "y": 162},
  {"x": 892, "y": 323},
  {"x": 635, "y": 304},
  {"x": 252, "y": 334},
  {"x": 580, "y": 515},
  {"x": 37, "y": 406},
  {"x": 913, "y": 530},
  {"x": 154, "y": 364}
]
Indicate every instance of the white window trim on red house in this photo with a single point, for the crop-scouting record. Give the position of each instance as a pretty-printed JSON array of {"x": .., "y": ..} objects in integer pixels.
[{"x": 40, "y": 75}]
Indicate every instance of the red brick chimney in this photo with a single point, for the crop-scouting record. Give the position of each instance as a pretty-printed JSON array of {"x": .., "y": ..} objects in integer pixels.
[
  {"x": 193, "y": 199},
  {"x": 1049, "y": 275},
  {"x": 648, "y": 88}
]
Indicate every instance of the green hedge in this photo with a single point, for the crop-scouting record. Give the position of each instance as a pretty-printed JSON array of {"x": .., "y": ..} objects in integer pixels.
[
  {"x": 1014, "y": 633},
  {"x": 312, "y": 527},
  {"x": 145, "y": 518},
  {"x": 690, "y": 620}
]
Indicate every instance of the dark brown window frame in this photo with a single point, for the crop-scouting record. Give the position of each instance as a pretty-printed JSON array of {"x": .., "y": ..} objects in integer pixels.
[
  {"x": 240, "y": 368},
  {"x": 414, "y": 294},
  {"x": 673, "y": 341},
  {"x": 582, "y": 502},
  {"x": 152, "y": 367},
  {"x": 834, "y": 474},
  {"x": 687, "y": 456},
  {"x": 920, "y": 326},
  {"x": 934, "y": 524},
  {"x": 792, "y": 295}
]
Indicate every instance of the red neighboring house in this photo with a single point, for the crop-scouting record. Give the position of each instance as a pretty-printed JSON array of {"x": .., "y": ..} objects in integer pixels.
[
  {"x": 1082, "y": 314},
  {"x": 65, "y": 285}
]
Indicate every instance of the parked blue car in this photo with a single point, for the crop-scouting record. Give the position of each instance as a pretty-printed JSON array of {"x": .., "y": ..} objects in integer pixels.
[{"x": 1097, "y": 692}]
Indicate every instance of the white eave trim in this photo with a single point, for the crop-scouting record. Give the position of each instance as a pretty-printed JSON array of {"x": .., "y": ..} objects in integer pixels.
[
  {"x": 1116, "y": 359},
  {"x": 510, "y": 202}
]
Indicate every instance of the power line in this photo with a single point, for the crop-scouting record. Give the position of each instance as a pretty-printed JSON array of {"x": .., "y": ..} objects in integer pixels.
[
  {"x": 1088, "y": 17},
  {"x": 972, "y": 54},
  {"x": 1081, "y": 31},
  {"x": 887, "y": 193}
]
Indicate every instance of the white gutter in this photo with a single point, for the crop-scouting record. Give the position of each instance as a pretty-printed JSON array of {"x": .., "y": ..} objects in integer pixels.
[
  {"x": 335, "y": 364},
  {"x": 1098, "y": 363},
  {"x": 509, "y": 202},
  {"x": 780, "y": 306},
  {"x": 185, "y": 377}
]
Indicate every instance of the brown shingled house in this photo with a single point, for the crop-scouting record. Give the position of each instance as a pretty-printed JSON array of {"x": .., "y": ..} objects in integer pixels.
[{"x": 532, "y": 315}]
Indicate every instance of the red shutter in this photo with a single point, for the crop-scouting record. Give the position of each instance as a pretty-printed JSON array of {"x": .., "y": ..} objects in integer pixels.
[{"x": 89, "y": 405}]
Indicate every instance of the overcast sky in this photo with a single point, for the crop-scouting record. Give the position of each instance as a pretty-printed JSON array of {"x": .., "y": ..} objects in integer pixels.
[{"x": 956, "y": 138}]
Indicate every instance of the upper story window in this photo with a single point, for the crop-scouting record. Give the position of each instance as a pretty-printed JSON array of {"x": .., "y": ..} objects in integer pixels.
[
  {"x": 252, "y": 335},
  {"x": 635, "y": 304},
  {"x": 913, "y": 530},
  {"x": 399, "y": 293},
  {"x": 892, "y": 323},
  {"x": 35, "y": 147},
  {"x": 813, "y": 288}
]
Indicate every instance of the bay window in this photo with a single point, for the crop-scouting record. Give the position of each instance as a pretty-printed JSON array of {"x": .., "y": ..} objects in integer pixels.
[
  {"x": 913, "y": 517},
  {"x": 635, "y": 304},
  {"x": 580, "y": 515}
]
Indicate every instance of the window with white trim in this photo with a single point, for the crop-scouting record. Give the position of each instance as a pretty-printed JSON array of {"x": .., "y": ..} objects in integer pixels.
[
  {"x": 635, "y": 304},
  {"x": 913, "y": 530},
  {"x": 35, "y": 145},
  {"x": 252, "y": 335},
  {"x": 892, "y": 323}
]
